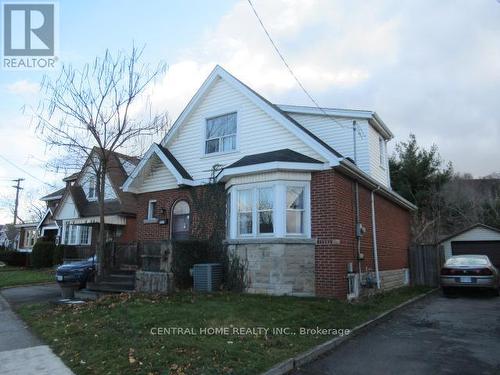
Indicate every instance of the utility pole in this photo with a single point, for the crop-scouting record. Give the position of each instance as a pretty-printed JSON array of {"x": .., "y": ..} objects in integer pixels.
[{"x": 17, "y": 187}]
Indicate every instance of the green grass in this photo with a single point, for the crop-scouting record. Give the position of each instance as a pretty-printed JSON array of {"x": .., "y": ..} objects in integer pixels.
[
  {"x": 113, "y": 335},
  {"x": 12, "y": 276}
]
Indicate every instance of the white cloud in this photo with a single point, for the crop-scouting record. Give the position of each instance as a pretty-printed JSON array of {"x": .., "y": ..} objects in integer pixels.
[
  {"x": 23, "y": 87},
  {"x": 426, "y": 67}
]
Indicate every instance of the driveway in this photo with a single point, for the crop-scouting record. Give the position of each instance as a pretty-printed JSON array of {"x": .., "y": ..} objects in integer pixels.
[
  {"x": 20, "y": 351},
  {"x": 32, "y": 294},
  {"x": 437, "y": 335}
]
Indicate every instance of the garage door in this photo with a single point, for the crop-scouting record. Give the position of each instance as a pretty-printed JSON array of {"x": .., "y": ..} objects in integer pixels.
[{"x": 489, "y": 248}]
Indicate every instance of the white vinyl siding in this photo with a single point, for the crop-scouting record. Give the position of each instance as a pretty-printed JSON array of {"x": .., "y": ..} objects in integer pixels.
[
  {"x": 256, "y": 132},
  {"x": 377, "y": 171},
  {"x": 341, "y": 139},
  {"x": 68, "y": 209},
  {"x": 157, "y": 177}
]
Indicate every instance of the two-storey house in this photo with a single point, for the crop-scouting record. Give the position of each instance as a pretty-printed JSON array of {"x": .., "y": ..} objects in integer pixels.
[{"x": 310, "y": 210}]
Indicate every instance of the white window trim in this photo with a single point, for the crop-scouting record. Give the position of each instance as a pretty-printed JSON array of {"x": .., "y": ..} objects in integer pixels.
[
  {"x": 78, "y": 237},
  {"x": 279, "y": 210},
  {"x": 91, "y": 198},
  {"x": 212, "y": 115},
  {"x": 382, "y": 152},
  {"x": 150, "y": 215}
]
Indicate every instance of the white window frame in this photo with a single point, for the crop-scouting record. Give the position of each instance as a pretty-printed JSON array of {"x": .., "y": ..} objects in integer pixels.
[
  {"x": 150, "y": 211},
  {"x": 92, "y": 182},
  {"x": 295, "y": 210},
  {"x": 382, "y": 151},
  {"x": 205, "y": 139},
  {"x": 66, "y": 235},
  {"x": 279, "y": 210}
]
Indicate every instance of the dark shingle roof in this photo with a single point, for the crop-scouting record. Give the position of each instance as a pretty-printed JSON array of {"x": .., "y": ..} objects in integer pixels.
[
  {"x": 55, "y": 195},
  {"x": 175, "y": 163},
  {"x": 285, "y": 155}
]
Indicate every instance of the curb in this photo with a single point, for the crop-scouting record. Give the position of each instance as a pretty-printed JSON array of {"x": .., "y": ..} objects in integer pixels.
[
  {"x": 310, "y": 355},
  {"x": 29, "y": 284}
]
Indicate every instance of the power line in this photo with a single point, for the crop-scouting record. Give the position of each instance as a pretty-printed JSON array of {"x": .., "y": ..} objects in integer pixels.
[
  {"x": 292, "y": 72},
  {"x": 24, "y": 171}
]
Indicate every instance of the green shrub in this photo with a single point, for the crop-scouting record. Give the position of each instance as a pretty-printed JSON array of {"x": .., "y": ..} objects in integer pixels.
[
  {"x": 15, "y": 258},
  {"x": 42, "y": 254},
  {"x": 58, "y": 256}
]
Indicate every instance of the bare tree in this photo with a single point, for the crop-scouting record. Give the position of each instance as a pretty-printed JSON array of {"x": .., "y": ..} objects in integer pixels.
[{"x": 93, "y": 112}]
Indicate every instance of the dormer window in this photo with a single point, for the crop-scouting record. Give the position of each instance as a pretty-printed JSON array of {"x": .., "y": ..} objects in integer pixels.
[
  {"x": 381, "y": 147},
  {"x": 92, "y": 191},
  {"x": 221, "y": 134}
]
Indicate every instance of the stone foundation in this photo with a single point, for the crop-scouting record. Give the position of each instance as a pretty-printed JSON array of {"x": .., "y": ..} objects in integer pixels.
[
  {"x": 152, "y": 282},
  {"x": 394, "y": 278},
  {"x": 277, "y": 266}
]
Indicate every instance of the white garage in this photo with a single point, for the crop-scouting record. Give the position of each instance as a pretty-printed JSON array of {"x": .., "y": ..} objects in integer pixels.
[{"x": 477, "y": 239}]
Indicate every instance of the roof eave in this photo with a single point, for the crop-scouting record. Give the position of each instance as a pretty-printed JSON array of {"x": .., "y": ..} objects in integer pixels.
[{"x": 352, "y": 170}]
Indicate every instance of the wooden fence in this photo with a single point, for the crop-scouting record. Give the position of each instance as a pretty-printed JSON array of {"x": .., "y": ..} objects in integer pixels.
[{"x": 425, "y": 264}]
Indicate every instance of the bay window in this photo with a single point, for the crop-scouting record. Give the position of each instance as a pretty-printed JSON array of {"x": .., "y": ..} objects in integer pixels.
[
  {"x": 265, "y": 210},
  {"x": 295, "y": 210},
  {"x": 270, "y": 209},
  {"x": 221, "y": 134},
  {"x": 245, "y": 212}
]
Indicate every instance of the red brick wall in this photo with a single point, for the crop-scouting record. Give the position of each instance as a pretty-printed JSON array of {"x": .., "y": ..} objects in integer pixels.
[
  {"x": 129, "y": 233},
  {"x": 333, "y": 225},
  {"x": 166, "y": 199}
]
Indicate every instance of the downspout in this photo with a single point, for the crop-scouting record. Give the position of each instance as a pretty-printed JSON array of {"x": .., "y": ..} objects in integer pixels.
[{"x": 374, "y": 237}]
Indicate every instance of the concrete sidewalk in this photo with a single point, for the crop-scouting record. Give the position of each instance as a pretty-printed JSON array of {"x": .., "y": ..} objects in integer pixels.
[{"x": 21, "y": 353}]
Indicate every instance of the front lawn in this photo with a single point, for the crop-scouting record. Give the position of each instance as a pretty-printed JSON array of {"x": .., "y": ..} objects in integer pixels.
[
  {"x": 12, "y": 276},
  {"x": 113, "y": 335}
]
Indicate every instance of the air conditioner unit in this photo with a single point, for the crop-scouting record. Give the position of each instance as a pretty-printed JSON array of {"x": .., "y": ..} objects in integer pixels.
[{"x": 207, "y": 277}]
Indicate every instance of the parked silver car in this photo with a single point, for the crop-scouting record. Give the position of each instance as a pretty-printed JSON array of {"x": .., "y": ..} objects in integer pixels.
[{"x": 469, "y": 271}]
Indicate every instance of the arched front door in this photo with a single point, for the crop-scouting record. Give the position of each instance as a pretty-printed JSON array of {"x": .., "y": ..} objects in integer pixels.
[{"x": 181, "y": 213}]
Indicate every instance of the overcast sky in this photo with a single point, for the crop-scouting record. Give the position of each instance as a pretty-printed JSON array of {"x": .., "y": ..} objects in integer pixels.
[{"x": 427, "y": 67}]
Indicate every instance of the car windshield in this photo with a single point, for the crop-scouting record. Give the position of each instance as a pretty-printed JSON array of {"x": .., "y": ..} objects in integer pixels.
[
  {"x": 467, "y": 261},
  {"x": 92, "y": 258}
]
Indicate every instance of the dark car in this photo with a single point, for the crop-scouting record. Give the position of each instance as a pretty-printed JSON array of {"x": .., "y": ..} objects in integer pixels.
[
  {"x": 77, "y": 273},
  {"x": 469, "y": 271}
]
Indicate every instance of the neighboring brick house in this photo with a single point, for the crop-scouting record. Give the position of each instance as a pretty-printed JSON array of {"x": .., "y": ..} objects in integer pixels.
[
  {"x": 76, "y": 214},
  {"x": 292, "y": 188}
]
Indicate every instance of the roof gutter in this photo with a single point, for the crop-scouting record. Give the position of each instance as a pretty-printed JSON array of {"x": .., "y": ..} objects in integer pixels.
[{"x": 352, "y": 170}]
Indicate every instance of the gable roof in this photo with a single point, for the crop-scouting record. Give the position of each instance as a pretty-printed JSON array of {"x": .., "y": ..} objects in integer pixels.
[
  {"x": 125, "y": 203},
  {"x": 285, "y": 155},
  {"x": 372, "y": 117},
  {"x": 175, "y": 163},
  {"x": 474, "y": 226},
  {"x": 272, "y": 110},
  {"x": 54, "y": 196},
  {"x": 170, "y": 162}
]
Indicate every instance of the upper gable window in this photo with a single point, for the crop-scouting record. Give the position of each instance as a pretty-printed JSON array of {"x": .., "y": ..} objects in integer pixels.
[
  {"x": 221, "y": 134},
  {"x": 92, "y": 188}
]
